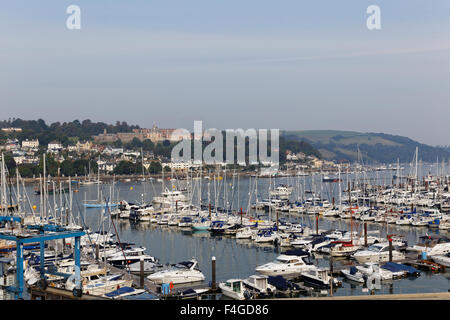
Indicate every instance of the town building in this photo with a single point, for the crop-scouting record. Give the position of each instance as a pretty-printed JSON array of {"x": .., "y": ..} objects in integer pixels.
[{"x": 30, "y": 144}]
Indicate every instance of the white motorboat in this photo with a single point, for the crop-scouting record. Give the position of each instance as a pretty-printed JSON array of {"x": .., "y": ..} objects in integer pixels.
[
  {"x": 442, "y": 260},
  {"x": 373, "y": 270},
  {"x": 353, "y": 274},
  {"x": 432, "y": 245},
  {"x": 342, "y": 248},
  {"x": 290, "y": 264},
  {"x": 129, "y": 256},
  {"x": 245, "y": 233},
  {"x": 319, "y": 278},
  {"x": 96, "y": 283},
  {"x": 404, "y": 220},
  {"x": 266, "y": 236},
  {"x": 259, "y": 285},
  {"x": 149, "y": 267},
  {"x": 182, "y": 272},
  {"x": 331, "y": 212},
  {"x": 378, "y": 252},
  {"x": 234, "y": 289},
  {"x": 185, "y": 222}
]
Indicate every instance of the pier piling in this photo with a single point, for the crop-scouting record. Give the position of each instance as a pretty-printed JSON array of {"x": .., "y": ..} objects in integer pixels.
[
  {"x": 213, "y": 281},
  {"x": 141, "y": 274}
]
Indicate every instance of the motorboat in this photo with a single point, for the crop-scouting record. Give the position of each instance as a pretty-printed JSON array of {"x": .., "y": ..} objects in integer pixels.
[
  {"x": 432, "y": 245},
  {"x": 398, "y": 269},
  {"x": 234, "y": 289},
  {"x": 232, "y": 230},
  {"x": 149, "y": 267},
  {"x": 319, "y": 278},
  {"x": 259, "y": 286},
  {"x": 97, "y": 283},
  {"x": 128, "y": 256},
  {"x": 404, "y": 220},
  {"x": 182, "y": 272},
  {"x": 245, "y": 233},
  {"x": 289, "y": 264},
  {"x": 342, "y": 248},
  {"x": 265, "y": 236},
  {"x": 201, "y": 225},
  {"x": 378, "y": 252},
  {"x": 122, "y": 292},
  {"x": 354, "y": 274},
  {"x": 443, "y": 259},
  {"x": 371, "y": 269},
  {"x": 185, "y": 222},
  {"x": 218, "y": 226}
]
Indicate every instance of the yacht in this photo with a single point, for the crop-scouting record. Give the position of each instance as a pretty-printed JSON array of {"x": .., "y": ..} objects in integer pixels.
[
  {"x": 182, "y": 272},
  {"x": 290, "y": 264},
  {"x": 378, "y": 252}
]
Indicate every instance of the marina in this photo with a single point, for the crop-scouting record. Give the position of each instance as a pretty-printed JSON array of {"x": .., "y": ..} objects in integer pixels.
[{"x": 161, "y": 244}]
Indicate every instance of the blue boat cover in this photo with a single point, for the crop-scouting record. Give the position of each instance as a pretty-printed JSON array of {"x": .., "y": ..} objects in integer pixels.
[
  {"x": 297, "y": 252},
  {"x": 396, "y": 267},
  {"x": 353, "y": 270},
  {"x": 278, "y": 282},
  {"x": 119, "y": 291}
]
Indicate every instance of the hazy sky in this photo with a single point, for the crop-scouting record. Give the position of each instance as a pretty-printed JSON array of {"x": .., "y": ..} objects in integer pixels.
[{"x": 288, "y": 64}]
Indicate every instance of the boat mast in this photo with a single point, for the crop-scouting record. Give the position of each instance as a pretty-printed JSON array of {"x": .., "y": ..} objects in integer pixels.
[
  {"x": 44, "y": 206},
  {"x": 3, "y": 180}
]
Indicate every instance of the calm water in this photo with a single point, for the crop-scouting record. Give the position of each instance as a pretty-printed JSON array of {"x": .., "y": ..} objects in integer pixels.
[{"x": 238, "y": 258}]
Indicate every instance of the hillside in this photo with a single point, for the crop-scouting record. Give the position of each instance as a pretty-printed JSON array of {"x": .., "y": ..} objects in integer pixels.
[{"x": 373, "y": 147}]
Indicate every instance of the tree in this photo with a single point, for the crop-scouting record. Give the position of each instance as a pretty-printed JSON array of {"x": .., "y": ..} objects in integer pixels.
[
  {"x": 135, "y": 143},
  {"x": 67, "y": 168},
  {"x": 51, "y": 165},
  {"x": 118, "y": 143},
  {"x": 155, "y": 167},
  {"x": 125, "y": 167},
  {"x": 9, "y": 162},
  {"x": 27, "y": 170},
  {"x": 148, "y": 145}
]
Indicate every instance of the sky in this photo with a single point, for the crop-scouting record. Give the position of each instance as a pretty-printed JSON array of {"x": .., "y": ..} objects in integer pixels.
[{"x": 289, "y": 64}]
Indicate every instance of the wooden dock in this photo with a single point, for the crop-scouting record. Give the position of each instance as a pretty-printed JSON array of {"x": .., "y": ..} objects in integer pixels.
[{"x": 52, "y": 293}]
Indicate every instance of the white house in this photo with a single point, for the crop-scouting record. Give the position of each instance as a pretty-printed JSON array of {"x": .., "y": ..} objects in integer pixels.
[
  {"x": 30, "y": 144},
  {"x": 54, "y": 146}
]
